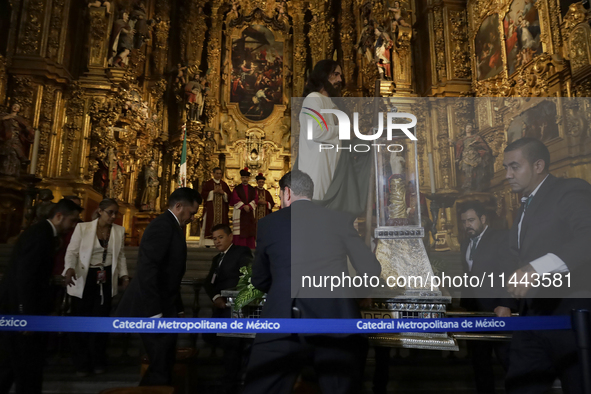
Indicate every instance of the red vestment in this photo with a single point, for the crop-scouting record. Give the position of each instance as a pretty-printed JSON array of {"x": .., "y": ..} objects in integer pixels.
[
  {"x": 215, "y": 206},
  {"x": 244, "y": 225}
]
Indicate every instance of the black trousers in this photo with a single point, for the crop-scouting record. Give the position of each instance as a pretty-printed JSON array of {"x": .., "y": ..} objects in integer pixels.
[
  {"x": 161, "y": 350},
  {"x": 89, "y": 349},
  {"x": 22, "y": 358},
  {"x": 338, "y": 362},
  {"x": 481, "y": 353},
  {"x": 537, "y": 358}
]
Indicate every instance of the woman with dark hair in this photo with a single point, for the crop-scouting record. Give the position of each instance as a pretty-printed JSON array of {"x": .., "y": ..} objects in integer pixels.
[{"x": 94, "y": 264}]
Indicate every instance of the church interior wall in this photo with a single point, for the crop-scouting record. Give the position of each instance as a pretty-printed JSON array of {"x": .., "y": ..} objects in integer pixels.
[{"x": 110, "y": 91}]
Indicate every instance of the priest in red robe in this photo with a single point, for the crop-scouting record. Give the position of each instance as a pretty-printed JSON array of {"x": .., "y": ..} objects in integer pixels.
[
  {"x": 216, "y": 195},
  {"x": 243, "y": 200},
  {"x": 264, "y": 200}
]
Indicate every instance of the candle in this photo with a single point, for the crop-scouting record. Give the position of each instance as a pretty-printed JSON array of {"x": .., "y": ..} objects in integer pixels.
[
  {"x": 431, "y": 173},
  {"x": 33, "y": 167}
]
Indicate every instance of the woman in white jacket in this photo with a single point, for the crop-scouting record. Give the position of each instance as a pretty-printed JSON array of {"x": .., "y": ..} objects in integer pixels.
[{"x": 94, "y": 264}]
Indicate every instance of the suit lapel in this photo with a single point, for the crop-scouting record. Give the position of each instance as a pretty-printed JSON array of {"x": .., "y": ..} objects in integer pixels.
[
  {"x": 463, "y": 251},
  {"x": 536, "y": 202},
  {"x": 481, "y": 246}
]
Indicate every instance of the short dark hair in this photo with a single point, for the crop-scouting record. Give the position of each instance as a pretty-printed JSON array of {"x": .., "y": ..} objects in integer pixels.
[
  {"x": 299, "y": 182},
  {"x": 318, "y": 78},
  {"x": 184, "y": 195},
  {"x": 73, "y": 197},
  {"x": 532, "y": 149},
  {"x": 477, "y": 206},
  {"x": 222, "y": 226},
  {"x": 66, "y": 208},
  {"x": 215, "y": 169}
]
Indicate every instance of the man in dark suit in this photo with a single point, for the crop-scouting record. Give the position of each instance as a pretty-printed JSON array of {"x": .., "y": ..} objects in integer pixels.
[
  {"x": 321, "y": 239},
  {"x": 224, "y": 275},
  {"x": 155, "y": 291},
  {"x": 484, "y": 252},
  {"x": 26, "y": 290},
  {"x": 551, "y": 234}
]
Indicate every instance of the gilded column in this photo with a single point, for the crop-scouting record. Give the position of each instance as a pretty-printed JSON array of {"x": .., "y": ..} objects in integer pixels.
[
  {"x": 98, "y": 39},
  {"x": 347, "y": 35},
  {"x": 212, "y": 103},
  {"x": 50, "y": 108},
  {"x": 57, "y": 30},
  {"x": 460, "y": 56},
  {"x": 31, "y": 31},
  {"x": 197, "y": 35},
  {"x": 300, "y": 52},
  {"x": 161, "y": 29},
  {"x": 319, "y": 35},
  {"x": 438, "y": 40}
]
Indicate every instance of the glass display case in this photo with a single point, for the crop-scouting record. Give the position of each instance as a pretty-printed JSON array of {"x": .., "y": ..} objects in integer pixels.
[{"x": 398, "y": 206}]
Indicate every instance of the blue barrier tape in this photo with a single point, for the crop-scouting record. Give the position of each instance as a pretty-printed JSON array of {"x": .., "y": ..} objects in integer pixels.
[{"x": 300, "y": 326}]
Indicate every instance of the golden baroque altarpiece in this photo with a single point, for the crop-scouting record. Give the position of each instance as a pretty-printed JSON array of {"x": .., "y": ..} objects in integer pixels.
[{"x": 111, "y": 88}]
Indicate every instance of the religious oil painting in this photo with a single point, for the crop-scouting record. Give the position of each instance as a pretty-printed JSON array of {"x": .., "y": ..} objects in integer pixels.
[
  {"x": 487, "y": 44},
  {"x": 521, "y": 27},
  {"x": 538, "y": 122},
  {"x": 257, "y": 72}
]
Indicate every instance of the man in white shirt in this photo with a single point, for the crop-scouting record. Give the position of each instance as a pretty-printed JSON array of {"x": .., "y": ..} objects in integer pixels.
[{"x": 551, "y": 235}]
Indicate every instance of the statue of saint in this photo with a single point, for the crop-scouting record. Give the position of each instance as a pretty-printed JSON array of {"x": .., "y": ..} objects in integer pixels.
[
  {"x": 150, "y": 193},
  {"x": 396, "y": 163},
  {"x": 397, "y": 213},
  {"x": 474, "y": 158},
  {"x": 16, "y": 136},
  {"x": 254, "y": 162}
]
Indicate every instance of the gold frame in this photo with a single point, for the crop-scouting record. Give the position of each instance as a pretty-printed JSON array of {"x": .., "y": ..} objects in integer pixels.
[
  {"x": 501, "y": 8},
  {"x": 526, "y": 105},
  {"x": 233, "y": 107}
]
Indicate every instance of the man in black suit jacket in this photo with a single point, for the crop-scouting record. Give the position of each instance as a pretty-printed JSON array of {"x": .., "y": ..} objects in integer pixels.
[
  {"x": 224, "y": 275},
  {"x": 322, "y": 239},
  {"x": 551, "y": 234},
  {"x": 155, "y": 291},
  {"x": 26, "y": 290},
  {"x": 485, "y": 252}
]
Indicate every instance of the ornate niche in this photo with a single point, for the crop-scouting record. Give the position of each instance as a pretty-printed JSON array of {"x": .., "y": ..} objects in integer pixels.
[
  {"x": 383, "y": 43},
  {"x": 258, "y": 155},
  {"x": 577, "y": 33},
  {"x": 256, "y": 50}
]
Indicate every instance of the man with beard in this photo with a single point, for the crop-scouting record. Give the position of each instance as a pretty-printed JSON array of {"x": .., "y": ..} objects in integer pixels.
[
  {"x": 484, "y": 251},
  {"x": 341, "y": 181},
  {"x": 324, "y": 82}
]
